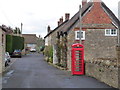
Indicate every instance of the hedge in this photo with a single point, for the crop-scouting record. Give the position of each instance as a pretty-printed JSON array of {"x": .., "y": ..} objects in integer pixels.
[
  {"x": 18, "y": 43},
  {"x": 14, "y": 42},
  {"x": 9, "y": 43}
]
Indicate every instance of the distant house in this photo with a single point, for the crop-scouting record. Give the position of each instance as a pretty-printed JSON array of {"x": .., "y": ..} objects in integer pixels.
[
  {"x": 30, "y": 40},
  {"x": 2, "y": 48}
]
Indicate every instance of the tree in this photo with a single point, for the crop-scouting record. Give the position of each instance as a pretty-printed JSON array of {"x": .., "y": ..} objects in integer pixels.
[{"x": 17, "y": 30}]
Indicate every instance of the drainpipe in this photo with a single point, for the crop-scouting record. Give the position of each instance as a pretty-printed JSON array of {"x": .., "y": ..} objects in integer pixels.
[{"x": 80, "y": 21}]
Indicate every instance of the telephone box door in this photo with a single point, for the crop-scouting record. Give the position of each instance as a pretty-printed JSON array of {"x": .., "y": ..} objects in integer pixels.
[{"x": 77, "y": 59}]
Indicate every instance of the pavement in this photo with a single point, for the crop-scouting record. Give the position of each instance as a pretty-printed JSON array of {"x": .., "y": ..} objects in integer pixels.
[{"x": 32, "y": 71}]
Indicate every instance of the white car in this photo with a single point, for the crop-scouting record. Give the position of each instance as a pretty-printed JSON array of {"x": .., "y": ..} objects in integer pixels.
[
  {"x": 32, "y": 50},
  {"x": 7, "y": 56}
]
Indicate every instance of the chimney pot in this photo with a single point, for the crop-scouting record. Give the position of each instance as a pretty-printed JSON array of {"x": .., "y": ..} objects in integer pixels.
[
  {"x": 58, "y": 23},
  {"x": 84, "y": 2},
  {"x": 67, "y": 16},
  {"x": 61, "y": 20},
  {"x": 48, "y": 29}
]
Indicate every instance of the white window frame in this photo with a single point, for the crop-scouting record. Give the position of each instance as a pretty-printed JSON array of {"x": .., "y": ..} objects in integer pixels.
[
  {"x": 77, "y": 34},
  {"x": 110, "y": 32}
]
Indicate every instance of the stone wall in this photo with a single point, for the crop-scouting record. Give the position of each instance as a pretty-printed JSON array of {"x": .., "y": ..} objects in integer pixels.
[
  {"x": 103, "y": 72},
  {"x": 70, "y": 41},
  {"x": 118, "y": 58},
  {"x": 2, "y": 50},
  {"x": 99, "y": 46},
  {"x": 100, "y": 55}
]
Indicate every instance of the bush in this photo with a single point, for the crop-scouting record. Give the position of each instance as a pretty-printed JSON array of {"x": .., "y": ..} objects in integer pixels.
[{"x": 48, "y": 52}]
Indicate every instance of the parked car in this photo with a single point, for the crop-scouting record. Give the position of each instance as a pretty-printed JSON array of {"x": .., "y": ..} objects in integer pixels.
[
  {"x": 7, "y": 56},
  {"x": 32, "y": 50},
  {"x": 17, "y": 53}
]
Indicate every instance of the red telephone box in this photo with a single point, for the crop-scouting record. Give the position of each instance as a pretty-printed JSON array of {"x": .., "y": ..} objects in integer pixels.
[{"x": 77, "y": 59}]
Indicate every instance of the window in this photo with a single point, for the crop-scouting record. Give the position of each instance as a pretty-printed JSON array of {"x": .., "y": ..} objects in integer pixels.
[
  {"x": 110, "y": 32},
  {"x": 77, "y": 35}
]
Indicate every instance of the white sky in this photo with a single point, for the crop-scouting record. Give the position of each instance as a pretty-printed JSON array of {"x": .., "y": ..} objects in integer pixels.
[{"x": 36, "y": 15}]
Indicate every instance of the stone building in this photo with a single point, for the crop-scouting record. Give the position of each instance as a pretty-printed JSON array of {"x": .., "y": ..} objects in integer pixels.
[
  {"x": 2, "y": 48},
  {"x": 30, "y": 41},
  {"x": 99, "y": 32},
  {"x": 100, "y": 29},
  {"x": 52, "y": 38},
  {"x": 99, "y": 37}
]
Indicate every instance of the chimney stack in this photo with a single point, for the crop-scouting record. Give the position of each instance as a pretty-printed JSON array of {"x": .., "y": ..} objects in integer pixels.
[
  {"x": 61, "y": 20},
  {"x": 48, "y": 29},
  {"x": 84, "y": 2},
  {"x": 67, "y": 16},
  {"x": 58, "y": 23}
]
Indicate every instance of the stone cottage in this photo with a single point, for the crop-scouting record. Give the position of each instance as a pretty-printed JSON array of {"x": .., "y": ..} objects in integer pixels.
[
  {"x": 99, "y": 37},
  {"x": 2, "y": 48},
  {"x": 52, "y": 38},
  {"x": 30, "y": 41}
]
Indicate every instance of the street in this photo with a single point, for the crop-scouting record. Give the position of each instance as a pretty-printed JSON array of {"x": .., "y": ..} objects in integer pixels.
[{"x": 32, "y": 71}]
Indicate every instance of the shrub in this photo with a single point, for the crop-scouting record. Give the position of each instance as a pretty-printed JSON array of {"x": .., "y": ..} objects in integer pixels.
[{"x": 48, "y": 52}]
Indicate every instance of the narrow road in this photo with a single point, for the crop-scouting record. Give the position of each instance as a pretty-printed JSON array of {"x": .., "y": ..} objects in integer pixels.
[{"x": 32, "y": 71}]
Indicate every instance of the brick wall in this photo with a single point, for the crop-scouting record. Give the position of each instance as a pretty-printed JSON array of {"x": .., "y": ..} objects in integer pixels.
[{"x": 96, "y": 15}]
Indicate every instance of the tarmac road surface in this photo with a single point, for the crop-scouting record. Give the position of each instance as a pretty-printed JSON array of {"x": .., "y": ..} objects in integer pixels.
[{"x": 31, "y": 71}]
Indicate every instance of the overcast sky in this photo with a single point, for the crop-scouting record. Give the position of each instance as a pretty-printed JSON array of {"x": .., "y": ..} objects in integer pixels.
[{"x": 36, "y": 15}]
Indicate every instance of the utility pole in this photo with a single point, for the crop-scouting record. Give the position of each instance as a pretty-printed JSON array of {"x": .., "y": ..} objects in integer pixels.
[
  {"x": 118, "y": 47},
  {"x": 21, "y": 28},
  {"x": 80, "y": 22},
  {"x": 119, "y": 23}
]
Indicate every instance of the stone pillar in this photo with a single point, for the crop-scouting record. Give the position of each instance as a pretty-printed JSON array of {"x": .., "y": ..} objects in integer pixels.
[
  {"x": 55, "y": 59},
  {"x": 118, "y": 63}
]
